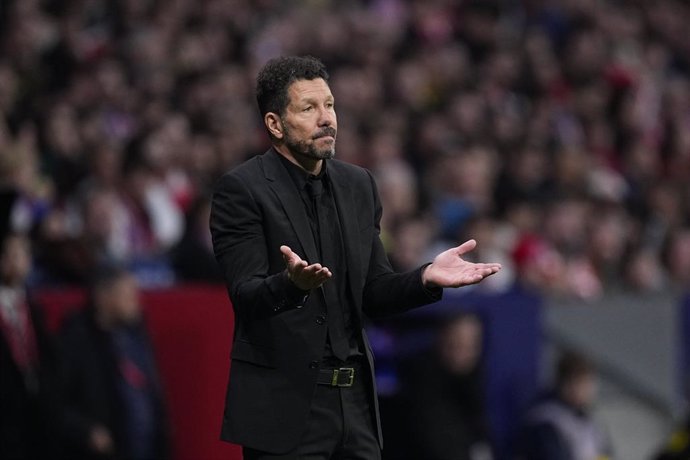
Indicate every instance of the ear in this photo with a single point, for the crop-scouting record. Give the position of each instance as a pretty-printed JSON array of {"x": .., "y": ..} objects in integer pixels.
[{"x": 274, "y": 125}]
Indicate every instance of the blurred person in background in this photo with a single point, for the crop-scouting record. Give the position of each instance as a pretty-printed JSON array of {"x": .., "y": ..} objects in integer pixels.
[
  {"x": 609, "y": 238},
  {"x": 538, "y": 266},
  {"x": 29, "y": 407},
  {"x": 155, "y": 222},
  {"x": 644, "y": 272},
  {"x": 193, "y": 257},
  {"x": 560, "y": 425},
  {"x": 72, "y": 245},
  {"x": 444, "y": 393},
  {"x": 114, "y": 405},
  {"x": 676, "y": 255}
]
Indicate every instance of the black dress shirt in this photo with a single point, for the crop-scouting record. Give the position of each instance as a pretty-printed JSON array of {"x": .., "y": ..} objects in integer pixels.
[{"x": 335, "y": 252}]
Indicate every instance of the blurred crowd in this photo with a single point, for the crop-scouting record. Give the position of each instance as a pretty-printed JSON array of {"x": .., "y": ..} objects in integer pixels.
[{"x": 556, "y": 133}]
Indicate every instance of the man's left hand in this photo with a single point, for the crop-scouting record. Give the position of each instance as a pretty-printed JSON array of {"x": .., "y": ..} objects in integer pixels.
[{"x": 449, "y": 269}]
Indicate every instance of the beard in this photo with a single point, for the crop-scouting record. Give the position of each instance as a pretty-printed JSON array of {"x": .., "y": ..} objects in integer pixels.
[{"x": 302, "y": 148}]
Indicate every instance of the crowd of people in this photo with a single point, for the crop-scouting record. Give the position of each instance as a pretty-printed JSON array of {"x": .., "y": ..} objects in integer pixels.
[{"x": 556, "y": 133}]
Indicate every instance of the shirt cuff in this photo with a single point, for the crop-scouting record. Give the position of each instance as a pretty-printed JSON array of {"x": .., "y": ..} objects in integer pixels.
[{"x": 434, "y": 293}]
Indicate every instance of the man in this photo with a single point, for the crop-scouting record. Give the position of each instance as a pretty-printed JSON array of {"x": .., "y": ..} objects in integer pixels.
[
  {"x": 114, "y": 407},
  {"x": 29, "y": 408},
  {"x": 296, "y": 234},
  {"x": 560, "y": 425},
  {"x": 445, "y": 397}
]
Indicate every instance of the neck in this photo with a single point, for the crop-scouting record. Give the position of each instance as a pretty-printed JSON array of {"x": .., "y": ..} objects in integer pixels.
[{"x": 310, "y": 165}]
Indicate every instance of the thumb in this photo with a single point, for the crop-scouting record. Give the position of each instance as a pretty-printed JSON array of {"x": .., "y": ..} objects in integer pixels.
[
  {"x": 290, "y": 257},
  {"x": 466, "y": 247},
  {"x": 287, "y": 252}
]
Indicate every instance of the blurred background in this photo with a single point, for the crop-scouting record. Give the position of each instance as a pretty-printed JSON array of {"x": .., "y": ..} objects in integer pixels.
[{"x": 556, "y": 133}]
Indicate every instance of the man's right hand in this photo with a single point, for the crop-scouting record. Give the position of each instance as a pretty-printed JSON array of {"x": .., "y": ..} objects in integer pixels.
[{"x": 303, "y": 275}]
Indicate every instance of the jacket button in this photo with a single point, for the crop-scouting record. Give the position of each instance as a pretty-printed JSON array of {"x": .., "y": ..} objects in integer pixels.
[
  {"x": 313, "y": 365},
  {"x": 320, "y": 319}
]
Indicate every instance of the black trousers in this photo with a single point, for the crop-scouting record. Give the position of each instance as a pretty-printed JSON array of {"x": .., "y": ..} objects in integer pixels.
[{"x": 340, "y": 425}]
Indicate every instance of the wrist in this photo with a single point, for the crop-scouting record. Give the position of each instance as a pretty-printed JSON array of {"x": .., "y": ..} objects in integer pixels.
[
  {"x": 425, "y": 277},
  {"x": 294, "y": 289}
]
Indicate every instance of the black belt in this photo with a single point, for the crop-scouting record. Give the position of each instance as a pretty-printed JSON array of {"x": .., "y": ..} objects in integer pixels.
[{"x": 340, "y": 377}]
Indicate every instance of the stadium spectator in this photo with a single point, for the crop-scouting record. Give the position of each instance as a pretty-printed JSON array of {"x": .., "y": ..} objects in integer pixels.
[
  {"x": 114, "y": 403},
  {"x": 560, "y": 426},
  {"x": 444, "y": 396},
  {"x": 28, "y": 361}
]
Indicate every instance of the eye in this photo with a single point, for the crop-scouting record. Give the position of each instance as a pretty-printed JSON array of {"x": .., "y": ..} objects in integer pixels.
[{"x": 308, "y": 108}]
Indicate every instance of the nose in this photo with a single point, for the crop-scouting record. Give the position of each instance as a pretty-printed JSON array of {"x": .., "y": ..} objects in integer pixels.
[{"x": 327, "y": 117}]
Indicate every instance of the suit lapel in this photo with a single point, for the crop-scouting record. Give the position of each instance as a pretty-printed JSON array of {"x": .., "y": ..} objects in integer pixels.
[{"x": 280, "y": 182}]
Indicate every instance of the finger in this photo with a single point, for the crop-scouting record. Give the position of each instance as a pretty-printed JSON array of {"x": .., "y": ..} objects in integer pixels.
[
  {"x": 313, "y": 268},
  {"x": 324, "y": 272},
  {"x": 494, "y": 267},
  {"x": 490, "y": 271},
  {"x": 320, "y": 279},
  {"x": 297, "y": 269},
  {"x": 316, "y": 278},
  {"x": 466, "y": 247},
  {"x": 318, "y": 270}
]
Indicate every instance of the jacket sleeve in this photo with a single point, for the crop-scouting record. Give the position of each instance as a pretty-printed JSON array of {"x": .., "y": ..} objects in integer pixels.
[
  {"x": 385, "y": 291},
  {"x": 239, "y": 244}
]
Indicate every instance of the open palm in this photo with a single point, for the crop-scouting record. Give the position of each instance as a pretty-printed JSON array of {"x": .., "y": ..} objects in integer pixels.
[{"x": 449, "y": 269}]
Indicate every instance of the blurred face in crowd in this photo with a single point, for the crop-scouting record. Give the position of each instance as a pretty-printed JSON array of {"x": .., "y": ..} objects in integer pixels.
[
  {"x": 461, "y": 345},
  {"x": 99, "y": 214},
  {"x": 117, "y": 302},
  {"x": 308, "y": 126},
  {"x": 15, "y": 262},
  {"x": 679, "y": 257},
  {"x": 580, "y": 391}
]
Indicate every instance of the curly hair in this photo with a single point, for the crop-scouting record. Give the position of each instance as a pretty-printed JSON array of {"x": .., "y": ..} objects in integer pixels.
[{"x": 278, "y": 74}]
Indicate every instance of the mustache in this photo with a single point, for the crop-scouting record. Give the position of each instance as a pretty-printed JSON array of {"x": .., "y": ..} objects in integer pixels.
[{"x": 327, "y": 131}]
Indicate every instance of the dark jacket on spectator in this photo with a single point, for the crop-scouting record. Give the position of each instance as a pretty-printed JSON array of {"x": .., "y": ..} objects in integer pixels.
[
  {"x": 28, "y": 411},
  {"x": 446, "y": 412},
  {"x": 554, "y": 430},
  {"x": 90, "y": 377}
]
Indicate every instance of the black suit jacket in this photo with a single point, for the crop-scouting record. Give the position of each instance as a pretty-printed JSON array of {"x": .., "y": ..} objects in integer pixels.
[{"x": 278, "y": 340}]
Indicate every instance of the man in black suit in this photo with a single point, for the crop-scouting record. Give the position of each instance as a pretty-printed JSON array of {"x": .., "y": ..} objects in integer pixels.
[{"x": 296, "y": 234}]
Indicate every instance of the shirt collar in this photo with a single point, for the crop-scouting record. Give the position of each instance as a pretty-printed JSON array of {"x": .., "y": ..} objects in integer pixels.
[{"x": 300, "y": 176}]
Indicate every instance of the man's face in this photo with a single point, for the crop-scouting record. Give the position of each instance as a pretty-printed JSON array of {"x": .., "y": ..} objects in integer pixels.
[
  {"x": 309, "y": 122},
  {"x": 581, "y": 391},
  {"x": 119, "y": 300}
]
